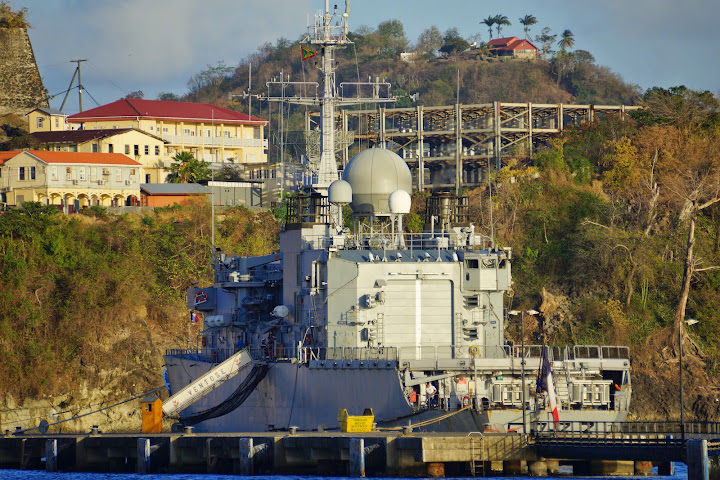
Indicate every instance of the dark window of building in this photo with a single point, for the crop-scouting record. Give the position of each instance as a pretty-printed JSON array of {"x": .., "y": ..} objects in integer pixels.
[
  {"x": 137, "y": 149},
  {"x": 94, "y": 148},
  {"x": 110, "y": 148},
  {"x": 21, "y": 173},
  {"x": 127, "y": 149},
  {"x": 147, "y": 150},
  {"x": 157, "y": 149},
  {"x": 32, "y": 173}
]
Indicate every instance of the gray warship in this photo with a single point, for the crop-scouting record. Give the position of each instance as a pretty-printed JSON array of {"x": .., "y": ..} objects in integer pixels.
[{"x": 367, "y": 316}]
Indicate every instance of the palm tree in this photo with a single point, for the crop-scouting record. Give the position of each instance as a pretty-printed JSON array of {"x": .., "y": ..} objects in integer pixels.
[
  {"x": 483, "y": 50},
  {"x": 501, "y": 21},
  {"x": 187, "y": 169},
  {"x": 528, "y": 21},
  {"x": 567, "y": 40},
  {"x": 490, "y": 21}
]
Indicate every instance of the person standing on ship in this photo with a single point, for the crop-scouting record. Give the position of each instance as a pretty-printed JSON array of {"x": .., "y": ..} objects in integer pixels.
[{"x": 431, "y": 391}]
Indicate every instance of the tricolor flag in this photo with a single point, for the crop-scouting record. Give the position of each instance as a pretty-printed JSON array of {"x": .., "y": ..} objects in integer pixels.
[
  {"x": 545, "y": 384},
  {"x": 306, "y": 53},
  {"x": 193, "y": 317}
]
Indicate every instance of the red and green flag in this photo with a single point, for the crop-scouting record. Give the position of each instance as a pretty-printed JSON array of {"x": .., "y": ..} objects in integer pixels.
[{"x": 306, "y": 53}]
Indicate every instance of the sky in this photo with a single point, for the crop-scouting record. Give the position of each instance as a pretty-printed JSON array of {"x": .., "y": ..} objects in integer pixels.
[{"x": 157, "y": 45}]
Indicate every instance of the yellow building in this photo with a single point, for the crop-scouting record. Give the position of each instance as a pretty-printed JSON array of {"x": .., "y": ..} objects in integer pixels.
[
  {"x": 213, "y": 134},
  {"x": 46, "y": 119},
  {"x": 147, "y": 149},
  {"x": 70, "y": 180}
]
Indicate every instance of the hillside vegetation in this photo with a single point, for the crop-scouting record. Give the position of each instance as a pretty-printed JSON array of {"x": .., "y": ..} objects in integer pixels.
[
  {"x": 86, "y": 294},
  {"x": 615, "y": 230},
  {"x": 599, "y": 225}
]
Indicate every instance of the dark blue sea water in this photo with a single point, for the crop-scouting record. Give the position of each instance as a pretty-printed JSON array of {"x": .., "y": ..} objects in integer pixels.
[{"x": 680, "y": 474}]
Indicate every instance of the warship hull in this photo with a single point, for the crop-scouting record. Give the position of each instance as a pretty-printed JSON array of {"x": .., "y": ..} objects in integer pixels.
[{"x": 298, "y": 395}]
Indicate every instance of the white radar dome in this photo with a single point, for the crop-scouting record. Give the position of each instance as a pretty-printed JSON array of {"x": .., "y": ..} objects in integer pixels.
[
  {"x": 399, "y": 201},
  {"x": 374, "y": 174},
  {"x": 281, "y": 311},
  {"x": 340, "y": 192}
]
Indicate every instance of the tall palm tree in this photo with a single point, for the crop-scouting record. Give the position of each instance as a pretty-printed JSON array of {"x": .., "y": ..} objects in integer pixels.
[
  {"x": 528, "y": 21},
  {"x": 501, "y": 21},
  {"x": 567, "y": 40},
  {"x": 490, "y": 21}
]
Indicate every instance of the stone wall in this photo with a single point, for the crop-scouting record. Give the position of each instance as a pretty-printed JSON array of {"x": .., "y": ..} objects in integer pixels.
[{"x": 21, "y": 88}]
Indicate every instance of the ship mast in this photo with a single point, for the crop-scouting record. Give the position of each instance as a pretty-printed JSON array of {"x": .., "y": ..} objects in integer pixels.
[
  {"x": 328, "y": 32},
  {"x": 323, "y": 37}
]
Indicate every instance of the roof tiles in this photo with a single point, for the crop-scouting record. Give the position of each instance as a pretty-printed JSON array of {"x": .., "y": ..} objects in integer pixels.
[{"x": 160, "y": 109}]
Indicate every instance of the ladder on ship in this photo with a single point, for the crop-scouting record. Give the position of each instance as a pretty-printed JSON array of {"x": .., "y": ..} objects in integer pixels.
[
  {"x": 206, "y": 383},
  {"x": 477, "y": 464}
]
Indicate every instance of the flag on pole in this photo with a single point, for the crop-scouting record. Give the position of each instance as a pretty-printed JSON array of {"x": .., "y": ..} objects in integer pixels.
[
  {"x": 306, "y": 53},
  {"x": 193, "y": 317},
  {"x": 545, "y": 384}
]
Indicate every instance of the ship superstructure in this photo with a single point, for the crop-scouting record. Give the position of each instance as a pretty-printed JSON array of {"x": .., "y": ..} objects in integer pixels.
[{"x": 369, "y": 316}]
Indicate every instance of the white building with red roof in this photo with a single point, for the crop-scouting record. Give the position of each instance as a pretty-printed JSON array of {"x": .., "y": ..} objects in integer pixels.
[
  {"x": 211, "y": 133},
  {"x": 70, "y": 180},
  {"x": 513, "y": 47}
]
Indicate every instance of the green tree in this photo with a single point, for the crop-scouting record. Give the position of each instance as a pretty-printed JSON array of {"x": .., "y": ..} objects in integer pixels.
[
  {"x": 429, "y": 41},
  {"x": 187, "y": 169},
  {"x": 168, "y": 97},
  {"x": 501, "y": 21},
  {"x": 528, "y": 21},
  {"x": 453, "y": 42},
  {"x": 136, "y": 95},
  {"x": 490, "y": 21},
  {"x": 547, "y": 40},
  {"x": 567, "y": 40},
  {"x": 392, "y": 37}
]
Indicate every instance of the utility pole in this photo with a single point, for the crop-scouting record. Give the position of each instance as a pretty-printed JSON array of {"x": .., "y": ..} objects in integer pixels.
[{"x": 80, "y": 87}]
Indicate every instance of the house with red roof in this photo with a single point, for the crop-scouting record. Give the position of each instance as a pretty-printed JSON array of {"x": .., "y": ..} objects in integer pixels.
[
  {"x": 513, "y": 47},
  {"x": 142, "y": 147},
  {"x": 214, "y": 134},
  {"x": 70, "y": 180}
]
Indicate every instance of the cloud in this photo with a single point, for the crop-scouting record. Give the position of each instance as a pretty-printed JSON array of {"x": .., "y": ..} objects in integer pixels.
[{"x": 136, "y": 42}]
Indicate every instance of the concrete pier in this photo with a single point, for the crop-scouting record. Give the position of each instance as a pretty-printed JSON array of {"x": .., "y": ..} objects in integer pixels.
[{"x": 379, "y": 453}]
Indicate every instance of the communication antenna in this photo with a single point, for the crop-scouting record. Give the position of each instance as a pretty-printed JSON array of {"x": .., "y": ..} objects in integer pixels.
[{"x": 80, "y": 86}]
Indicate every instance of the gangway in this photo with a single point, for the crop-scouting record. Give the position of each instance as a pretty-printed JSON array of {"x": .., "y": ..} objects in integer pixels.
[{"x": 206, "y": 383}]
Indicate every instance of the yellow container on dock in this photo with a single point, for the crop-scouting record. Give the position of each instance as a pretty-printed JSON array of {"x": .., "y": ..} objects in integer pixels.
[{"x": 356, "y": 423}]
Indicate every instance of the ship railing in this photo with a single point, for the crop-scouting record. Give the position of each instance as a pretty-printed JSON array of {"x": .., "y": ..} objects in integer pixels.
[
  {"x": 307, "y": 354},
  {"x": 574, "y": 352},
  {"x": 423, "y": 246},
  {"x": 449, "y": 356},
  {"x": 275, "y": 352}
]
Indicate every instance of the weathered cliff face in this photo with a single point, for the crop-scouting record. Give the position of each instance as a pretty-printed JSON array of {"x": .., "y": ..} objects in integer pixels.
[
  {"x": 21, "y": 88},
  {"x": 111, "y": 389}
]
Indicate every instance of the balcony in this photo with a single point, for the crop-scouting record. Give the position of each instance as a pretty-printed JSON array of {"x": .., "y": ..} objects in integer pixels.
[{"x": 212, "y": 142}]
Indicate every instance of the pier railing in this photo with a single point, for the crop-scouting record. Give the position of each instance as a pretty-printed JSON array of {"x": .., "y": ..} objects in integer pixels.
[{"x": 563, "y": 431}]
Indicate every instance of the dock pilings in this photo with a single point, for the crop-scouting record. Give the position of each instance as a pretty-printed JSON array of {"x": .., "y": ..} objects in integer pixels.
[{"x": 392, "y": 453}]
